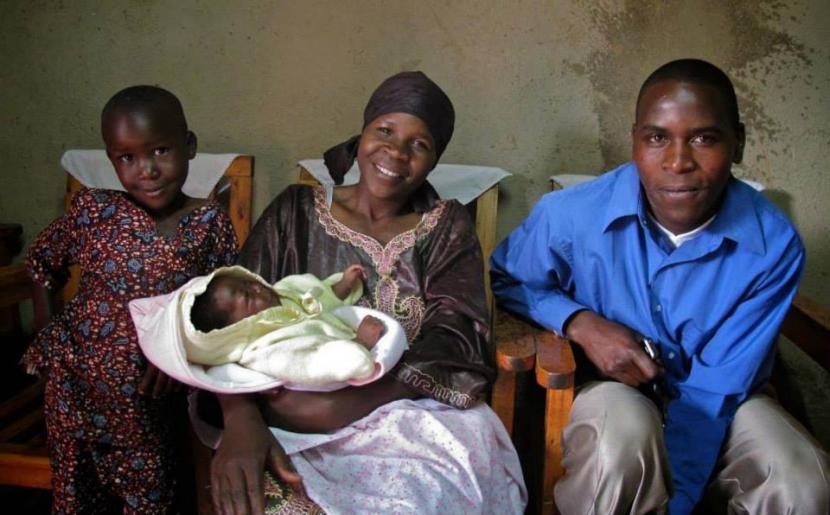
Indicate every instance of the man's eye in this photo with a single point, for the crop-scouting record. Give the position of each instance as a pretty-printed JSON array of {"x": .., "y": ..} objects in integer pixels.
[
  {"x": 704, "y": 139},
  {"x": 656, "y": 139},
  {"x": 126, "y": 158},
  {"x": 161, "y": 151}
]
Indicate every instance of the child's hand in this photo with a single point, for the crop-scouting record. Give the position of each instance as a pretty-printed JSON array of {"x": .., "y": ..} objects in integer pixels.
[
  {"x": 156, "y": 383},
  {"x": 352, "y": 275},
  {"x": 369, "y": 331}
]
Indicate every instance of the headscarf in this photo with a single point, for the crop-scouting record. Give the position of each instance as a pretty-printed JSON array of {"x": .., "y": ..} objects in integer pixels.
[{"x": 406, "y": 92}]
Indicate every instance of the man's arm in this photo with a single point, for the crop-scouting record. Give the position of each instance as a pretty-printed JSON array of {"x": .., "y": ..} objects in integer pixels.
[{"x": 531, "y": 274}]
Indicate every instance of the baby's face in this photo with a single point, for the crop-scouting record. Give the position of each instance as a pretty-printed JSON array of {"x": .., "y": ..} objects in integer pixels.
[{"x": 242, "y": 297}]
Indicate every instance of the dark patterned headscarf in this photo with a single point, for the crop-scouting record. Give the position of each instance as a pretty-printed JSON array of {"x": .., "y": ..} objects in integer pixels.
[{"x": 406, "y": 92}]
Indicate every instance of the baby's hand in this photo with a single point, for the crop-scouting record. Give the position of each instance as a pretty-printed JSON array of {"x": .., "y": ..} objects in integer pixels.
[
  {"x": 156, "y": 383},
  {"x": 351, "y": 276},
  {"x": 369, "y": 331}
]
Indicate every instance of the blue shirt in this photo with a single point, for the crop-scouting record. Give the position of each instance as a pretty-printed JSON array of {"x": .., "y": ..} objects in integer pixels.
[{"x": 714, "y": 305}]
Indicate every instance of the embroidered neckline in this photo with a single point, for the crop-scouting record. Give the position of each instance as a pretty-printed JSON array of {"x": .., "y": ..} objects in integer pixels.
[
  {"x": 384, "y": 256},
  {"x": 409, "y": 310}
]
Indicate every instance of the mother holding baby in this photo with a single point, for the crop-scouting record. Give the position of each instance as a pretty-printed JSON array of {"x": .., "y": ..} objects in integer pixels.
[{"x": 419, "y": 440}]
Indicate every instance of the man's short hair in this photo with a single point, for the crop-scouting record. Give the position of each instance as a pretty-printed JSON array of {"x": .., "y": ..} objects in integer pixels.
[
  {"x": 696, "y": 71},
  {"x": 146, "y": 98}
]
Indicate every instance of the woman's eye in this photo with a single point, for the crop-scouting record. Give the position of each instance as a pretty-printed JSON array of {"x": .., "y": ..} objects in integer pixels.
[
  {"x": 161, "y": 151},
  {"x": 421, "y": 145}
]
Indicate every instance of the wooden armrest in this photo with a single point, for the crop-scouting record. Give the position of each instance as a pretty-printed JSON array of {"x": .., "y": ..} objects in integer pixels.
[
  {"x": 515, "y": 343},
  {"x": 808, "y": 326},
  {"x": 555, "y": 365}
]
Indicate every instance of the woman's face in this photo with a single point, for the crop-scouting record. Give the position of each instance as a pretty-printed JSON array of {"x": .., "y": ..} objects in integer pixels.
[{"x": 395, "y": 155}]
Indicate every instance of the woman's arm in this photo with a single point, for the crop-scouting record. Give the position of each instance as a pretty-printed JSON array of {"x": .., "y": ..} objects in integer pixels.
[
  {"x": 247, "y": 448},
  {"x": 323, "y": 412}
]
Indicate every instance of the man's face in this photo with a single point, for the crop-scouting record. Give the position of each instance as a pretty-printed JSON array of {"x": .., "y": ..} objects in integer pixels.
[{"x": 684, "y": 144}]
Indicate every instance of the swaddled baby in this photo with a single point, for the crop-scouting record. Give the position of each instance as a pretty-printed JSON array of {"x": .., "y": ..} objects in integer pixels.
[{"x": 287, "y": 330}]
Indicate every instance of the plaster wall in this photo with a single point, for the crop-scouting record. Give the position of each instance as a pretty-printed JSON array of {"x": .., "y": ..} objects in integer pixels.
[{"x": 539, "y": 87}]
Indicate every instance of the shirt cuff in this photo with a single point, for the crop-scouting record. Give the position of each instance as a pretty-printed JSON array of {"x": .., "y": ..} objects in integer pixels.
[{"x": 553, "y": 311}]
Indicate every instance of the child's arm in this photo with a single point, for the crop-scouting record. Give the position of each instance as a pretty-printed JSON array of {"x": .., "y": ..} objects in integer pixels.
[
  {"x": 351, "y": 276},
  {"x": 369, "y": 331}
]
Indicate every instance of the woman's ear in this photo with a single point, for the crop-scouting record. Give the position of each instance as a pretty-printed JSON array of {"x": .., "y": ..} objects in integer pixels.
[{"x": 191, "y": 143}]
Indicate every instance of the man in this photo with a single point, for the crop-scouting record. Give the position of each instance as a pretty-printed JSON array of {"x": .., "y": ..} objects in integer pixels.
[{"x": 673, "y": 255}]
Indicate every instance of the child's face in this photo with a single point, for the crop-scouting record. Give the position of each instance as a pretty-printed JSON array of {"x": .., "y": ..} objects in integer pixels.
[
  {"x": 684, "y": 144},
  {"x": 150, "y": 154},
  {"x": 240, "y": 298}
]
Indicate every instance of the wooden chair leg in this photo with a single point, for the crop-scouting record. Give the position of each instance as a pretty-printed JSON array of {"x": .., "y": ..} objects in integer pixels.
[{"x": 557, "y": 408}]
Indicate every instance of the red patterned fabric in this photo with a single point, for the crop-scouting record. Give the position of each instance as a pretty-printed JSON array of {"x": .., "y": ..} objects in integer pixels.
[{"x": 89, "y": 351}]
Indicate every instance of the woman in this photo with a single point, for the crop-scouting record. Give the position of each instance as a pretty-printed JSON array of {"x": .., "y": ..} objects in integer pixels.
[{"x": 400, "y": 444}]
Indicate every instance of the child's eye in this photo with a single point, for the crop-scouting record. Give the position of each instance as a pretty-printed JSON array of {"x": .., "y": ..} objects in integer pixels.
[
  {"x": 386, "y": 131},
  {"x": 126, "y": 158},
  {"x": 161, "y": 151}
]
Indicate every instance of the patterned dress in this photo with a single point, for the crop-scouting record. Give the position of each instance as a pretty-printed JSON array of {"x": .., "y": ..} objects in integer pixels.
[{"x": 102, "y": 432}]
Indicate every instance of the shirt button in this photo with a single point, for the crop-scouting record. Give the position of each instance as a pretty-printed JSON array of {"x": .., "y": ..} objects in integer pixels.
[
  {"x": 658, "y": 308},
  {"x": 671, "y": 354}
]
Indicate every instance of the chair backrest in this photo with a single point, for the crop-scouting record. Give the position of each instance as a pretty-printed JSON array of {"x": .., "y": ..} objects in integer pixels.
[
  {"x": 233, "y": 191},
  {"x": 483, "y": 211}
]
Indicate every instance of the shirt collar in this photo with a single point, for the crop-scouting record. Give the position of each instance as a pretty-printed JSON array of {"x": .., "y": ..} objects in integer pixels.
[{"x": 737, "y": 219}]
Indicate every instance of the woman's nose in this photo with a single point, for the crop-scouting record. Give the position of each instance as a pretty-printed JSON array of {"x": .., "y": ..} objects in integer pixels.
[{"x": 398, "y": 150}]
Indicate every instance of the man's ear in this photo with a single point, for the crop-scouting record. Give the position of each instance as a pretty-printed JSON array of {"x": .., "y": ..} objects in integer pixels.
[
  {"x": 740, "y": 135},
  {"x": 192, "y": 144}
]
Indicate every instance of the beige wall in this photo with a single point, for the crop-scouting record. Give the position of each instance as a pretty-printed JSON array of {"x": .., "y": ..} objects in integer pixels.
[{"x": 539, "y": 87}]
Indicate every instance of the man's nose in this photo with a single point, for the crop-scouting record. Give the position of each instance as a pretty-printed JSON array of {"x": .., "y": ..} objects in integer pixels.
[{"x": 679, "y": 158}]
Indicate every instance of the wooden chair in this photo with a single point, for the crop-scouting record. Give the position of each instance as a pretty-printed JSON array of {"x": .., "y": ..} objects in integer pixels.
[
  {"x": 807, "y": 325},
  {"x": 23, "y": 455}
]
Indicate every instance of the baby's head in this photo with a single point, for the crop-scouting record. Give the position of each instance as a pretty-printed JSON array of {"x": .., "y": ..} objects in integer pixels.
[
  {"x": 228, "y": 299},
  {"x": 148, "y": 143}
]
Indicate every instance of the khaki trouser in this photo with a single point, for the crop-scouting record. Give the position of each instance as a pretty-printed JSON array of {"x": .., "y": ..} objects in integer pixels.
[{"x": 616, "y": 461}]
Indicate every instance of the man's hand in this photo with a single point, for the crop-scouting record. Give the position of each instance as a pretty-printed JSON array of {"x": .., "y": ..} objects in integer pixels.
[
  {"x": 237, "y": 471},
  {"x": 612, "y": 347},
  {"x": 155, "y": 383}
]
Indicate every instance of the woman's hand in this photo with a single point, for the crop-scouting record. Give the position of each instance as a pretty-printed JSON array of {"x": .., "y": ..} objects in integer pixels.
[
  {"x": 155, "y": 383},
  {"x": 323, "y": 412},
  {"x": 612, "y": 347},
  {"x": 237, "y": 476}
]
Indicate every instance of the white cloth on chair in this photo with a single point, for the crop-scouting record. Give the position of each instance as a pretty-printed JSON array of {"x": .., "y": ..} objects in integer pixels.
[
  {"x": 93, "y": 169},
  {"x": 463, "y": 183}
]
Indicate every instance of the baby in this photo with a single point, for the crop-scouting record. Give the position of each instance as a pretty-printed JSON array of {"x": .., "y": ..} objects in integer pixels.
[
  {"x": 302, "y": 331},
  {"x": 231, "y": 298}
]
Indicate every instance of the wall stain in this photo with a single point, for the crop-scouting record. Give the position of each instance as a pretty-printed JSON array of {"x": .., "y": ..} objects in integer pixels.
[{"x": 736, "y": 35}]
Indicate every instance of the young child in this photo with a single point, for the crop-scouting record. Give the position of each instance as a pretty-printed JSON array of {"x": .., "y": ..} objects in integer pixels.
[{"x": 110, "y": 446}]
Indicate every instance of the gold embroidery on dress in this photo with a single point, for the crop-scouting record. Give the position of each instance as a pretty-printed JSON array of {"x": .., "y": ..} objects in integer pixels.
[{"x": 408, "y": 310}]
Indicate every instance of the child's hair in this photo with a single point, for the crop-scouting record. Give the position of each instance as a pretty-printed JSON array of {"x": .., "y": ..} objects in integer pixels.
[
  {"x": 696, "y": 71},
  {"x": 204, "y": 314},
  {"x": 143, "y": 98}
]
